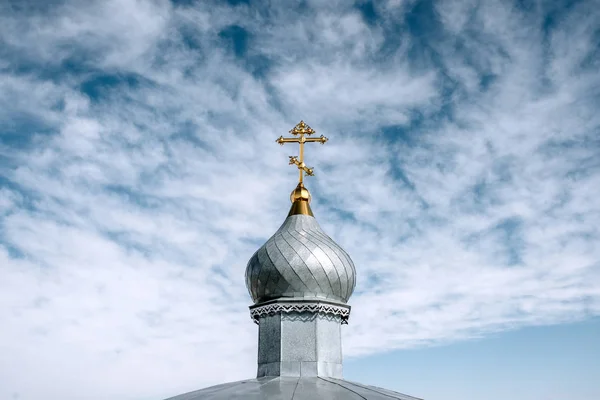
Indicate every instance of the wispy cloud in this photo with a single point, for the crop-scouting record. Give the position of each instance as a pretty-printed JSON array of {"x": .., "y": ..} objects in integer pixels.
[{"x": 138, "y": 173}]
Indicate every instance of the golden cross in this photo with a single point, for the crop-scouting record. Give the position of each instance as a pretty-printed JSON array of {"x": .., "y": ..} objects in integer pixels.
[{"x": 300, "y": 130}]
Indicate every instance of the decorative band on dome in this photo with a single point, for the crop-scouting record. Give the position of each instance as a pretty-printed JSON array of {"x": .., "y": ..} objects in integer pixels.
[{"x": 314, "y": 307}]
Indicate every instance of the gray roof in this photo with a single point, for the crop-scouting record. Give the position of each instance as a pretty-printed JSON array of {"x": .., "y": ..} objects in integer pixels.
[
  {"x": 300, "y": 261},
  {"x": 289, "y": 388}
]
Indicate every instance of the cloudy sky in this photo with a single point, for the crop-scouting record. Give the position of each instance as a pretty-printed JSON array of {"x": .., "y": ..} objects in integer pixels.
[{"x": 139, "y": 172}]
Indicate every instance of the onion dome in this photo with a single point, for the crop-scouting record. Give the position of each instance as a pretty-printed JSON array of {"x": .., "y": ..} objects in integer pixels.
[{"x": 300, "y": 260}]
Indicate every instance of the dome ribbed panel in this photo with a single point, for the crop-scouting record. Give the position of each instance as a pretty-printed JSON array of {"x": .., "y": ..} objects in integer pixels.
[
  {"x": 341, "y": 278},
  {"x": 300, "y": 260},
  {"x": 308, "y": 257}
]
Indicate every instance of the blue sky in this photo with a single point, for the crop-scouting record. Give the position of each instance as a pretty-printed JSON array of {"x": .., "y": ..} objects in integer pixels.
[{"x": 139, "y": 172}]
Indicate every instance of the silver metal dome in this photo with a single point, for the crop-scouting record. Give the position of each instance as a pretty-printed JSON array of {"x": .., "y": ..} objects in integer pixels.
[{"x": 300, "y": 261}]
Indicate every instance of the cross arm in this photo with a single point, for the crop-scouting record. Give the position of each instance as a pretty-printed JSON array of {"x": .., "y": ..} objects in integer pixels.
[
  {"x": 294, "y": 161},
  {"x": 321, "y": 139},
  {"x": 283, "y": 140}
]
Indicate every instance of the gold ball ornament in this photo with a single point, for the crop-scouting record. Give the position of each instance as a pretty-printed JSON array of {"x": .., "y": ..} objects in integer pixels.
[{"x": 300, "y": 193}]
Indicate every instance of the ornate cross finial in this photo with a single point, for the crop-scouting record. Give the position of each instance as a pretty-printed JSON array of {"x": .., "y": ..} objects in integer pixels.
[{"x": 301, "y": 130}]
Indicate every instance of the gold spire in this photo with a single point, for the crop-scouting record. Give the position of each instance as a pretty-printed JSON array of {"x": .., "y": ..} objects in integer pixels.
[{"x": 300, "y": 196}]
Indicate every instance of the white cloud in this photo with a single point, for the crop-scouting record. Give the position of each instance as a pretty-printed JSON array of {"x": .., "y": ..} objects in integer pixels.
[{"x": 125, "y": 234}]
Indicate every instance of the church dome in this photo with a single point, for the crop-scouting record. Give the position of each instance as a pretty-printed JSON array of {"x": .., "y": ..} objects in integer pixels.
[
  {"x": 300, "y": 260},
  {"x": 300, "y": 281}
]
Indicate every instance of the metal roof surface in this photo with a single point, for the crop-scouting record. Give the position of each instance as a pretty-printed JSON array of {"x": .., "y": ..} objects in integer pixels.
[{"x": 290, "y": 388}]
